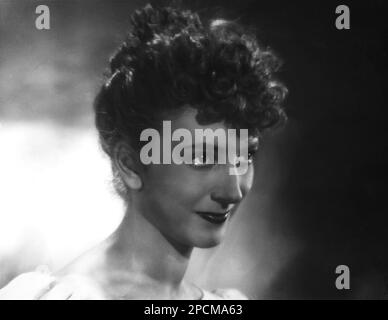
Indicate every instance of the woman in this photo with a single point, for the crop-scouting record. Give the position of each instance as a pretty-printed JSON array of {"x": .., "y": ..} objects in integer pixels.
[{"x": 171, "y": 69}]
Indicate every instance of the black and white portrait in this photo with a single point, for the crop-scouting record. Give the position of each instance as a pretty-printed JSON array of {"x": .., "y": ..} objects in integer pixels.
[{"x": 193, "y": 150}]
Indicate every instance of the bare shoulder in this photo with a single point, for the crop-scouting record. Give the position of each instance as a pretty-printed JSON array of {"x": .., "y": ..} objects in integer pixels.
[
  {"x": 85, "y": 275},
  {"x": 94, "y": 276}
]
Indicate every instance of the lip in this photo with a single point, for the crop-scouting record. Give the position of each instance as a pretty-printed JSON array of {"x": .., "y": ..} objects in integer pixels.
[{"x": 214, "y": 217}]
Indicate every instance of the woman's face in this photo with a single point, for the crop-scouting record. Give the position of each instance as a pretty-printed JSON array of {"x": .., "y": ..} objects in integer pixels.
[{"x": 192, "y": 204}]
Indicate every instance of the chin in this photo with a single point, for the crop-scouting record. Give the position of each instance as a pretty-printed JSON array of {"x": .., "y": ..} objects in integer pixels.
[
  {"x": 208, "y": 245},
  {"x": 206, "y": 242}
]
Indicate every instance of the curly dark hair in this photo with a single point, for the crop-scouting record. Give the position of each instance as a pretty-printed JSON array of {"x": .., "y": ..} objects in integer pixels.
[{"x": 170, "y": 59}]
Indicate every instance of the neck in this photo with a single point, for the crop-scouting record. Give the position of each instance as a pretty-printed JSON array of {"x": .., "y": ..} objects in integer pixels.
[{"x": 140, "y": 248}]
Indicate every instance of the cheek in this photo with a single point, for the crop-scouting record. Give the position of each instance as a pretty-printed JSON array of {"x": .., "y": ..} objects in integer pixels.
[{"x": 174, "y": 184}]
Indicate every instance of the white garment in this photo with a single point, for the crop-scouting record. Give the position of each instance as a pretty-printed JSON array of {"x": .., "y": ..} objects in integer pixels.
[{"x": 223, "y": 294}]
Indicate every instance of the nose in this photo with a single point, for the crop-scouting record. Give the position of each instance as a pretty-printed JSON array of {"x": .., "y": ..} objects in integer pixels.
[{"x": 229, "y": 191}]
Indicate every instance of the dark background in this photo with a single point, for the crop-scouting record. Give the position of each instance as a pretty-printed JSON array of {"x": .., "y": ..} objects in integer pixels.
[
  {"x": 337, "y": 163},
  {"x": 332, "y": 155}
]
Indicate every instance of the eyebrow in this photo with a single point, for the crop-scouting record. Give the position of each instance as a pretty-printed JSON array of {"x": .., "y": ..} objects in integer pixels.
[
  {"x": 204, "y": 143},
  {"x": 252, "y": 143}
]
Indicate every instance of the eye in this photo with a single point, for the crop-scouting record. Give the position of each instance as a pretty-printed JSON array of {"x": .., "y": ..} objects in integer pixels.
[
  {"x": 202, "y": 162},
  {"x": 207, "y": 159},
  {"x": 251, "y": 156}
]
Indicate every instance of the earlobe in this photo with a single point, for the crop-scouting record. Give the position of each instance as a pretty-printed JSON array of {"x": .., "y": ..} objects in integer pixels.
[
  {"x": 126, "y": 163},
  {"x": 133, "y": 181}
]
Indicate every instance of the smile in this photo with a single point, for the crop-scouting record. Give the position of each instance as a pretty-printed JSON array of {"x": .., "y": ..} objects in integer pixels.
[{"x": 213, "y": 217}]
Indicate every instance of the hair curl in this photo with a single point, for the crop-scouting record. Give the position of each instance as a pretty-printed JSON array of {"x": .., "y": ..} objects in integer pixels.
[{"x": 170, "y": 59}]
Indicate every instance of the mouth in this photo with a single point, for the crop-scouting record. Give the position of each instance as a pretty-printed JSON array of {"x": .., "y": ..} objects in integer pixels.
[{"x": 214, "y": 217}]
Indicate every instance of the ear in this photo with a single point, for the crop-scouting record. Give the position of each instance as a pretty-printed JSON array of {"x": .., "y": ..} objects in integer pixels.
[{"x": 126, "y": 161}]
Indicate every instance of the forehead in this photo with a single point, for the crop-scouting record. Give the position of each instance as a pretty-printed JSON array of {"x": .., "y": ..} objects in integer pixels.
[{"x": 187, "y": 119}]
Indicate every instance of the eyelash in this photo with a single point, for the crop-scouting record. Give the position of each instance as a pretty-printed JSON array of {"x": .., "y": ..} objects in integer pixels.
[
  {"x": 251, "y": 155},
  {"x": 202, "y": 164}
]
